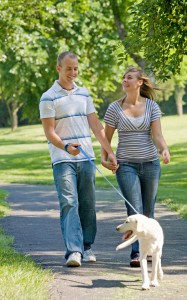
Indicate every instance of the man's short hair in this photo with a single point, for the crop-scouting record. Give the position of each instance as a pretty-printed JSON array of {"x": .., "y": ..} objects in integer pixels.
[{"x": 64, "y": 54}]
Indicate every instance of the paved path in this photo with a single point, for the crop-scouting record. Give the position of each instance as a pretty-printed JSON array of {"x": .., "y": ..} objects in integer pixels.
[{"x": 34, "y": 222}]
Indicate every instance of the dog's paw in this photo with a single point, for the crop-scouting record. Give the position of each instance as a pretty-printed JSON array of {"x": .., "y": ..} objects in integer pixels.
[
  {"x": 117, "y": 248},
  {"x": 154, "y": 283},
  {"x": 145, "y": 286}
]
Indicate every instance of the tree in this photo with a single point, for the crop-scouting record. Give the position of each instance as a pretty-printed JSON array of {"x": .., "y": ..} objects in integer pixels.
[
  {"x": 174, "y": 86},
  {"x": 23, "y": 55},
  {"x": 154, "y": 35},
  {"x": 35, "y": 33},
  {"x": 180, "y": 81},
  {"x": 158, "y": 30},
  {"x": 122, "y": 16},
  {"x": 106, "y": 36}
]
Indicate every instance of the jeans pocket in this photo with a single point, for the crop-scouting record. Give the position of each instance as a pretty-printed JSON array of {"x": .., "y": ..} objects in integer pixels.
[{"x": 156, "y": 162}]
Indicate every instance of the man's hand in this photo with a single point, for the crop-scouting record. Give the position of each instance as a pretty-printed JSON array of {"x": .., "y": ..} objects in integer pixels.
[
  {"x": 111, "y": 164},
  {"x": 112, "y": 158},
  {"x": 73, "y": 150}
]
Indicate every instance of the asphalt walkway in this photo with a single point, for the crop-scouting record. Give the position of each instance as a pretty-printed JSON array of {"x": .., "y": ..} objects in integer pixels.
[{"x": 34, "y": 222}]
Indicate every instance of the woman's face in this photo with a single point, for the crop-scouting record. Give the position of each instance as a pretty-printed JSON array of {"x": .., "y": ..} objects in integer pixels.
[{"x": 131, "y": 82}]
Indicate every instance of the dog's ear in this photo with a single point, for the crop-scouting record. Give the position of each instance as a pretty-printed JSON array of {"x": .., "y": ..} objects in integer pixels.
[{"x": 140, "y": 226}]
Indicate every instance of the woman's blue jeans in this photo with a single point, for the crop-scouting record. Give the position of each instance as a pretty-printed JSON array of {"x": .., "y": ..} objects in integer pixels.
[
  {"x": 75, "y": 185},
  {"x": 138, "y": 183}
]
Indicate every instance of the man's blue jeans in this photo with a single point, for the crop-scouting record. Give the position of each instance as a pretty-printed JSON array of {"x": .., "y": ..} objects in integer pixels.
[
  {"x": 75, "y": 185},
  {"x": 138, "y": 183}
]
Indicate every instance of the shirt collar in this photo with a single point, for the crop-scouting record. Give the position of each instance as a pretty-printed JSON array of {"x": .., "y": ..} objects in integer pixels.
[{"x": 57, "y": 87}]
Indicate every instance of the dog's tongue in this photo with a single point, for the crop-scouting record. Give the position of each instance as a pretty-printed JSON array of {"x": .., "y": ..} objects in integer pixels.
[{"x": 126, "y": 235}]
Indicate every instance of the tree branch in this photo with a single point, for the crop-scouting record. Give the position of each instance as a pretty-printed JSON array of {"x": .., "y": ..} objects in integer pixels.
[{"x": 123, "y": 34}]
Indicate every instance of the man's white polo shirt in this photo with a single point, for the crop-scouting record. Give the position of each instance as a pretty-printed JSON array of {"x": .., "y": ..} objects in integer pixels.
[{"x": 70, "y": 111}]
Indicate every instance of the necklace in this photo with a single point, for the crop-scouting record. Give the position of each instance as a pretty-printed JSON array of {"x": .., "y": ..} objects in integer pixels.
[
  {"x": 68, "y": 89},
  {"x": 65, "y": 88}
]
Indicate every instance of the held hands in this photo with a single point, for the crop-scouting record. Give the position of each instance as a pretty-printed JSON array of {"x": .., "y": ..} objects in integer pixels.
[
  {"x": 165, "y": 156},
  {"x": 111, "y": 164}
]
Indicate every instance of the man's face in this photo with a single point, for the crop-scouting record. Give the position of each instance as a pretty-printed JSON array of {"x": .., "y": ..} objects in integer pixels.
[{"x": 68, "y": 69}]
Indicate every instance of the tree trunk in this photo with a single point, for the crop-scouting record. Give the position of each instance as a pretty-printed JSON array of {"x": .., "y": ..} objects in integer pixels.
[
  {"x": 13, "y": 109},
  {"x": 122, "y": 32},
  {"x": 179, "y": 92},
  {"x": 14, "y": 119}
]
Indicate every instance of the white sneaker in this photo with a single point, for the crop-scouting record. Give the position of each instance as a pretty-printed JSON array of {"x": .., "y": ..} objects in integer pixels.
[
  {"x": 74, "y": 260},
  {"x": 89, "y": 256}
]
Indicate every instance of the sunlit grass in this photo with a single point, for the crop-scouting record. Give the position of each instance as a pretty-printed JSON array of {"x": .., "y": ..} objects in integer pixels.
[
  {"x": 24, "y": 158},
  {"x": 173, "y": 184},
  {"x": 4, "y": 208},
  {"x": 20, "y": 277}
]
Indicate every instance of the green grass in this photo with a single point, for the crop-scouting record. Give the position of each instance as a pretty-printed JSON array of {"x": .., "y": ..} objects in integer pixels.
[
  {"x": 20, "y": 277},
  {"x": 25, "y": 159},
  {"x": 24, "y": 156},
  {"x": 4, "y": 208},
  {"x": 173, "y": 183}
]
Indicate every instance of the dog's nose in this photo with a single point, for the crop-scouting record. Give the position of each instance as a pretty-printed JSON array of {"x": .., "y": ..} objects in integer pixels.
[{"x": 117, "y": 228}]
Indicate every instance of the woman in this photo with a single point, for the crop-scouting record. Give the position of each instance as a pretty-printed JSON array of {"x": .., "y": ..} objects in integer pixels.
[{"x": 137, "y": 118}]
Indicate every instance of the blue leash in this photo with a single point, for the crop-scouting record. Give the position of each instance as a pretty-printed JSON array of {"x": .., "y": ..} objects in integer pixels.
[{"x": 84, "y": 153}]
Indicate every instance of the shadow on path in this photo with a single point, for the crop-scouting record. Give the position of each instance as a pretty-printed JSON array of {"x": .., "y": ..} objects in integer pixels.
[{"x": 34, "y": 222}]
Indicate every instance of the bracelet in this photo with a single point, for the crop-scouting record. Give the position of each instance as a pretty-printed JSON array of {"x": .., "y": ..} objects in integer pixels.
[{"x": 66, "y": 147}]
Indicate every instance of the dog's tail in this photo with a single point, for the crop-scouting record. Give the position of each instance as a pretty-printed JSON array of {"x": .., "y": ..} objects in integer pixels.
[{"x": 127, "y": 243}]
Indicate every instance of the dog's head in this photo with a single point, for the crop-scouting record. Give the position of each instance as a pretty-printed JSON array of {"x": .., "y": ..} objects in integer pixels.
[{"x": 134, "y": 225}]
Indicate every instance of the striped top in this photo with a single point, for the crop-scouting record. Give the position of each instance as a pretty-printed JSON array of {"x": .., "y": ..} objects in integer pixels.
[
  {"x": 134, "y": 140},
  {"x": 70, "y": 110}
]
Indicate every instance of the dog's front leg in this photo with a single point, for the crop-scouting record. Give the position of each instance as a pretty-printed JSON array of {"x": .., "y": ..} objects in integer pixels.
[
  {"x": 155, "y": 264},
  {"x": 144, "y": 271},
  {"x": 160, "y": 272}
]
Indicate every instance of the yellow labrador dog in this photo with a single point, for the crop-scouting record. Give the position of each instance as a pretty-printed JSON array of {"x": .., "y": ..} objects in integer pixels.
[{"x": 150, "y": 236}]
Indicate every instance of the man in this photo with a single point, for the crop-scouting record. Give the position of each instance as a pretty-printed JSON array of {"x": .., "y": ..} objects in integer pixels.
[{"x": 67, "y": 113}]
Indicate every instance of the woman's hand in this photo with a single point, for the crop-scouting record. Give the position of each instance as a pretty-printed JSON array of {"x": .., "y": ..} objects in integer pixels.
[
  {"x": 110, "y": 166},
  {"x": 166, "y": 156}
]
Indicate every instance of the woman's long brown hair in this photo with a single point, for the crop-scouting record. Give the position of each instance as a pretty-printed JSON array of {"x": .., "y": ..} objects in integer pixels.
[{"x": 146, "y": 89}]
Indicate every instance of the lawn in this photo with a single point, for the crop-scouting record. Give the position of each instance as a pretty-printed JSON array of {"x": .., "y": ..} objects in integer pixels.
[
  {"x": 24, "y": 158},
  {"x": 20, "y": 278}
]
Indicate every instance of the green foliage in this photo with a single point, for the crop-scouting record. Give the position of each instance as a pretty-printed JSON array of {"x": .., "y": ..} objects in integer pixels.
[
  {"x": 159, "y": 31},
  {"x": 34, "y": 34},
  {"x": 4, "y": 117},
  {"x": 106, "y": 35}
]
